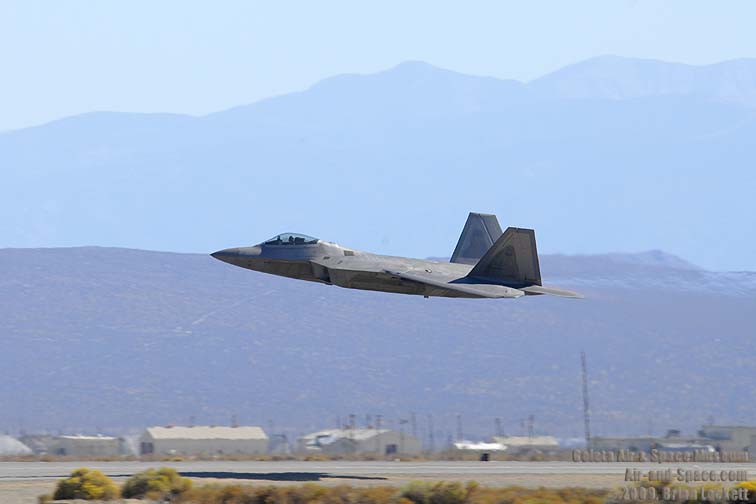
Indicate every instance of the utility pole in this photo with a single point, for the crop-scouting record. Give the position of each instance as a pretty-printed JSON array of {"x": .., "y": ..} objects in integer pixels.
[
  {"x": 586, "y": 411},
  {"x": 431, "y": 439},
  {"x": 499, "y": 432},
  {"x": 402, "y": 421},
  {"x": 531, "y": 425},
  {"x": 352, "y": 418},
  {"x": 460, "y": 435},
  {"x": 378, "y": 419}
]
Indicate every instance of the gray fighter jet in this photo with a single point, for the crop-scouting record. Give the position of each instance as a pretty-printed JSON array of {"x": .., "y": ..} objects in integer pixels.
[{"x": 485, "y": 264}]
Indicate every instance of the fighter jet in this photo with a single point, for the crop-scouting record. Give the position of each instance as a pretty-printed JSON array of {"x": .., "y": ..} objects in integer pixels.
[{"x": 486, "y": 263}]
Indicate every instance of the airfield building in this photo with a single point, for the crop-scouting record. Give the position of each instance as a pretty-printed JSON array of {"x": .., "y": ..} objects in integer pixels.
[
  {"x": 12, "y": 446},
  {"x": 39, "y": 443},
  {"x": 521, "y": 444},
  {"x": 84, "y": 446},
  {"x": 731, "y": 438},
  {"x": 203, "y": 440},
  {"x": 633, "y": 444},
  {"x": 478, "y": 447},
  {"x": 672, "y": 441},
  {"x": 75, "y": 445},
  {"x": 359, "y": 441}
]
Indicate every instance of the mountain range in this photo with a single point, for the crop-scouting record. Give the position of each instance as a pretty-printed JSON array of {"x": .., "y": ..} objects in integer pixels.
[
  {"x": 609, "y": 154},
  {"x": 109, "y": 339}
]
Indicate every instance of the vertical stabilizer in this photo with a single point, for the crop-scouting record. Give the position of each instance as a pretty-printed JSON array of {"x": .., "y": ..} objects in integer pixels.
[
  {"x": 479, "y": 234},
  {"x": 512, "y": 260}
]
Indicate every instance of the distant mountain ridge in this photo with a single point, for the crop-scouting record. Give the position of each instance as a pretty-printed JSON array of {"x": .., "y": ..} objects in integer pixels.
[
  {"x": 619, "y": 78},
  {"x": 603, "y": 77},
  {"x": 608, "y": 154},
  {"x": 110, "y": 339}
]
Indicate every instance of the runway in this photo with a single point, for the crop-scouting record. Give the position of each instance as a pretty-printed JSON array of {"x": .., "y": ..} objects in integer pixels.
[
  {"x": 22, "y": 481},
  {"x": 345, "y": 470}
]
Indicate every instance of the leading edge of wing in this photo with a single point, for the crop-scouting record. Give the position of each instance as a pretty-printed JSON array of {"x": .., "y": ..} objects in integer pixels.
[{"x": 480, "y": 290}]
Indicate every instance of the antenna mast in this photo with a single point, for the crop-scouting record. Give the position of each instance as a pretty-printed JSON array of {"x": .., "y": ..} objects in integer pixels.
[{"x": 586, "y": 414}]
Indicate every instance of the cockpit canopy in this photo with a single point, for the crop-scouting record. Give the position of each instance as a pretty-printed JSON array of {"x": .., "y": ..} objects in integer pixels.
[{"x": 291, "y": 239}]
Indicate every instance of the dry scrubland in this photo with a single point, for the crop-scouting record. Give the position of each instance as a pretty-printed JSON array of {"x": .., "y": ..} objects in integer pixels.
[
  {"x": 415, "y": 493},
  {"x": 166, "y": 485}
]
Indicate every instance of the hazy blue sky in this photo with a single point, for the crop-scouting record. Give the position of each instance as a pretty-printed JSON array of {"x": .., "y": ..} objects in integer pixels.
[{"x": 66, "y": 57}]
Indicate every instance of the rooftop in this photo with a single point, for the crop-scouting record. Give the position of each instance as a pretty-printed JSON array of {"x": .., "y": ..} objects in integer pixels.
[
  {"x": 80, "y": 437},
  {"x": 469, "y": 445},
  {"x": 207, "y": 432},
  {"x": 740, "y": 427},
  {"x": 356, "y": 434},
  {"x": 12, "y": 446},
  {"x": 526, "y": 440}
]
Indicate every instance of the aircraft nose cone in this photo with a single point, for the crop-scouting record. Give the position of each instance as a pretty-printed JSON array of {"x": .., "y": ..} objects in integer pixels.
[
  {"x": 226, "y": 255},
  {"x": 236, "y": 254}
]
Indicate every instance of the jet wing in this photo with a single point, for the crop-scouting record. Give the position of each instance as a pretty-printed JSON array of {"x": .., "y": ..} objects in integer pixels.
[{"x": 469, "y": 289}]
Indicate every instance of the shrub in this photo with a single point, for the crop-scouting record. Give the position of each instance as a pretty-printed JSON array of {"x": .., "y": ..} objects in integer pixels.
[
  {"x": 437, "y": 493},
  {"x": 448, "y": 493},
  {"x": 380, "y": 495},
  {"x": 231, "y": 494},
  {"x": 307, "y": 493},
  {"x": 155, "y": 484},
  {"x": 750, "y": 486},
  {"x": 418, "y": 492},
  {"x": 87, "y": 484}
]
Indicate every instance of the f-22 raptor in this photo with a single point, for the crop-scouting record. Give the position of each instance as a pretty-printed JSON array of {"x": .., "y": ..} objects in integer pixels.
[{"x": 486, "y": 263}]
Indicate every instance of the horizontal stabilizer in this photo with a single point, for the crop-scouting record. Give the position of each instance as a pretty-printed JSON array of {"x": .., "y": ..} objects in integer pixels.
[{"x": 539, "y": 289}]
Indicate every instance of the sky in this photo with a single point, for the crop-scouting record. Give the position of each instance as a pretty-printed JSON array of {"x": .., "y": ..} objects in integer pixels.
[{"x": 66, "y": 57}]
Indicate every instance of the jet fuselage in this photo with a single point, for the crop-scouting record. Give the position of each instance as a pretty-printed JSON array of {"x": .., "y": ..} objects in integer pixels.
[{"x": 332, "y": 264}]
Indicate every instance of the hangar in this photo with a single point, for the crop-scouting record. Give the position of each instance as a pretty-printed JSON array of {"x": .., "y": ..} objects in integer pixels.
[
  {"x": 522, "y": 444},
  {"x": 359, "y": 441},
  {"x": 12, "y": 446},
  {"x": 731, "y": 438},
  {"x": 74, "y": 445},
  {"x": 84, "y": 446},
  {"x": 203, "y": 440}
]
